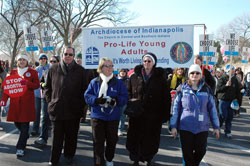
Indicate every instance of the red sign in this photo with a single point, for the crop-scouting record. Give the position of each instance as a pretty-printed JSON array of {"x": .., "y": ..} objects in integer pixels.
[
  {"x": 12, "y": 86},
  {"x": 173, "y": 92}
]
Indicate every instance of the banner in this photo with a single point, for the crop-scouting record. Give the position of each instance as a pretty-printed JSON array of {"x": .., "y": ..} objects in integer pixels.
[
  {"x": 208, "y": 45},
  {"x": 125, "y": 46},
  {"x": 232, "y": 44},
  {"x": 245, "y": 55},
  {"x": 30, "y": 37},
  {"x": 12, "y": 86}
]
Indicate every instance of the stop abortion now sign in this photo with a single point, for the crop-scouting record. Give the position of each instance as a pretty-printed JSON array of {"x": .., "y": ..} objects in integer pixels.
[{"x": 12, "y": 86}]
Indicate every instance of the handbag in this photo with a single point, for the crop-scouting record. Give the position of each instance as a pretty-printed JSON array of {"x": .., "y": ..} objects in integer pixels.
[{"x": 134, "y": 108}]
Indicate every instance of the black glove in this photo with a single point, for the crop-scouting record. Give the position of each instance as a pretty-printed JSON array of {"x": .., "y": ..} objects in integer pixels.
[
  {"x": 100, "y": 100},
  {"x": 113, "y": 101}
]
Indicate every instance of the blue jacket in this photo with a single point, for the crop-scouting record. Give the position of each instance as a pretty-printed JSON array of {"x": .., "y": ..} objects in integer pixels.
[
  {"x": 116, "y": 89},
  {"x": 190, "y": 106},
  {"x": 40, "y": 70}
]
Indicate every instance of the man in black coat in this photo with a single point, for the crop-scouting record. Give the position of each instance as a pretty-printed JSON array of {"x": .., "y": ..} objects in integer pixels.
[{"x": 64, "y": 92}]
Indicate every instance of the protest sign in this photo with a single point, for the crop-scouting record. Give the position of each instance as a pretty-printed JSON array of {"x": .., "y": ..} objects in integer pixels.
[{"x": 12, "y": 86}]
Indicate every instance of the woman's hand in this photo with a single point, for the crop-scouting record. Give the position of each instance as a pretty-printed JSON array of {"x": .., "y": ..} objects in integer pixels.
[
  {"x": 217, "y": 133},
  {"x": 174, "y": 132}
]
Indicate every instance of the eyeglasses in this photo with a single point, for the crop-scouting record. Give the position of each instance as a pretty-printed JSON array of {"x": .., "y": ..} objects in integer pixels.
[
  {"x": 52, "y": 61},
  {"x": 66, "y": 54},
  {"x": 197, "y": 73},
  {"x": 147, "y": 61},
  {"x": 108, "y": 66}
]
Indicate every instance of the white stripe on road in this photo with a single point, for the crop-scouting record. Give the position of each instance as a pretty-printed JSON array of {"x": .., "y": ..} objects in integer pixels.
[
  {"x": 6, "y": 135},
  {"x": 241, "y": 148}
]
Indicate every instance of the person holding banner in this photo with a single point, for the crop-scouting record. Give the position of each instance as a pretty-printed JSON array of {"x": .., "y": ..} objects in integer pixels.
[
  {"x": 194, "y": 108},
  {"x": 105, "y": 94},
  {"x": 22, "y": 108},
  {"x": 148, "y": 84},
  {"x": 228, "y": 90},
  {"x": 65, "y": 86}
]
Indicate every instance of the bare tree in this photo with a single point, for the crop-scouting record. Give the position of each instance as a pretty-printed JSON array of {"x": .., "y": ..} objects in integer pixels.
[
  {"x": 69, "y": 17},
  {"x": 14, "y": 13}
]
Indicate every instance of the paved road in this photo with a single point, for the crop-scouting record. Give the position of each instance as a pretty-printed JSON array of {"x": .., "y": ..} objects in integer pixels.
[{"x": 222, "y": 152}]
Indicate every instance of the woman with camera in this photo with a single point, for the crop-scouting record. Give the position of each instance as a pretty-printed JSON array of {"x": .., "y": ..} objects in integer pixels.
[{"x": 105, "y": 94}]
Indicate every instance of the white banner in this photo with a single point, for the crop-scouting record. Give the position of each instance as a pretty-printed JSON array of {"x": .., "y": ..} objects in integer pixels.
[
  {"x": 125, "y": 46},
  {"x": 207, "y": 44}
]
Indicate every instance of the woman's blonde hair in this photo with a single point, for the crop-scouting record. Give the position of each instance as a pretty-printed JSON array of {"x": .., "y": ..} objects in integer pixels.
[
  {"x": 190, "y": 83},
  {"x": 101, "y": 63}
]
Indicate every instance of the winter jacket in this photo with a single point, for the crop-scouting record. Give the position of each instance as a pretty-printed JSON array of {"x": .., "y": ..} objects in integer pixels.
[
  {"x": 116, "y": 89},
  {"x": 228, "y": 93},
  {"x": 2, "y": 78},
  {"x": 64, "y": 91},
  {"x": 40, "y": 70},
  {"x": 22, "y": 109},
  {"x": 189, "y": 106},
  {"x": 155, "y": 93}
]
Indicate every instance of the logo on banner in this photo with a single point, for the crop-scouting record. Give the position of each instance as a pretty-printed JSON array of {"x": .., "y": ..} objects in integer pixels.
[
  {"x": 92, "y": 56},
  {"x": 181, "y": 52}
]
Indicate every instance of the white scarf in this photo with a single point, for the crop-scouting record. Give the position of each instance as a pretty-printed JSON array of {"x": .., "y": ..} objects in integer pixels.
[
  {"x": 21, "y": 71},
  {"x": 104, "y": 85}
]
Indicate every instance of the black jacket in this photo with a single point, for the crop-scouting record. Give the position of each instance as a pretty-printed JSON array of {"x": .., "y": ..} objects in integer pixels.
[
  {"x": 228, "y": 93},
  {"x": 64, "y": 91}
]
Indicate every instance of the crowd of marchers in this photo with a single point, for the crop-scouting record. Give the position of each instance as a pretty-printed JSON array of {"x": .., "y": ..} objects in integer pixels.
[{"x": 63, "y": 91}]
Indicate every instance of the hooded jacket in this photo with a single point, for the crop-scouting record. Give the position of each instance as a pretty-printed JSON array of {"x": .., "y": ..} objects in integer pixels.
[{"x": 188, "y": 106}]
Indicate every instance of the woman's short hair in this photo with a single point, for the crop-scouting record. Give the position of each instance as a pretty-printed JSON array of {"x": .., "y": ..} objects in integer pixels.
[{"x": 101, "y": 63}]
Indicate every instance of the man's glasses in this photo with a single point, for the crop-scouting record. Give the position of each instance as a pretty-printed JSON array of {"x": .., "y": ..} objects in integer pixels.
[
  {"x": 66, "y": 54},
  {"x": 52, "y": 61},
  {"x": 197, "y": 73},
  {"x": 147, "y": 61},
  {"x": 108, "y": 66}
]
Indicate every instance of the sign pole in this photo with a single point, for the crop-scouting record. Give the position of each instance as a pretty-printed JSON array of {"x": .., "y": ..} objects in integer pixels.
[{"x": 230, "y": 72}]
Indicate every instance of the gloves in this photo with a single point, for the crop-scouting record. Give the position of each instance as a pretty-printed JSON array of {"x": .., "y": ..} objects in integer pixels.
[
  {"x": 100, "y": 100},
  {"x": 3, "y": 103},
  {"x": 23, "y": 82},
  {"x": 113, "y": 101}
]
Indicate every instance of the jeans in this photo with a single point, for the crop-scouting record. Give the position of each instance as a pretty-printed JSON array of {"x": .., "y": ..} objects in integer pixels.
[
  {"x": 226, "y": 115},
  {"x": 122, "y": 119},
  {"x": 45, "y": 120},
  {"x": 23, "y": 128},
  {"x": 36, "y": 123}
]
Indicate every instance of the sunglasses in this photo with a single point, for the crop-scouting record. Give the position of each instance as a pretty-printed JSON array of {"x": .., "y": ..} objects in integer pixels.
[
  {"x": 147, "y": 61},
  {"x": 66, "y": 54},
  {"x": 52, "y": 61},
  {"x": 108, "y": 66},
  {"x": 43, "y": 58},
  {"x": 197, "y": 73}
]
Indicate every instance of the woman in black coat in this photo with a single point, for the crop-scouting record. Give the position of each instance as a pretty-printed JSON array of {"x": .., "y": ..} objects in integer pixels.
[{"x": 147, "y": 84}]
